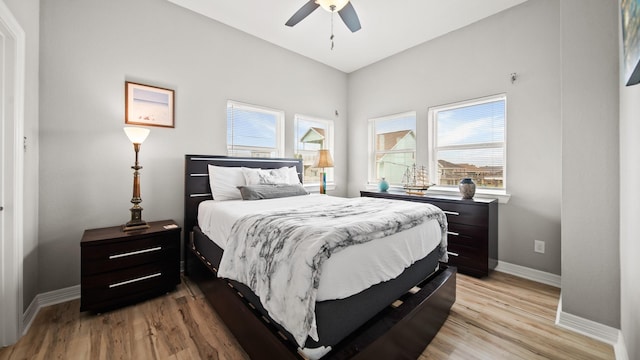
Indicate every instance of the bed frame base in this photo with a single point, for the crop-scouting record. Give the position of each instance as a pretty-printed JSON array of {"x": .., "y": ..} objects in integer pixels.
[{"x": 400, "y": 332}]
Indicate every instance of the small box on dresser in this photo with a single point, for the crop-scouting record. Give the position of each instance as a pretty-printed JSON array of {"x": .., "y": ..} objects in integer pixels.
[
  {"x": 473, "y": 229},
  {"x": 120, "y": 268}
]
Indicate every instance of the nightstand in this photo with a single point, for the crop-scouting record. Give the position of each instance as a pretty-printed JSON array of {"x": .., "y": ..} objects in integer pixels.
[
  {"x": 119, "y": 268},
  {"x": 473, "y": 229}
]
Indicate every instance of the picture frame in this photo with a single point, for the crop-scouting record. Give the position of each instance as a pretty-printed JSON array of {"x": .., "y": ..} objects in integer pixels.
[
  {"x": 630, "y": 16},
  {"x": 149, "y": 105}
]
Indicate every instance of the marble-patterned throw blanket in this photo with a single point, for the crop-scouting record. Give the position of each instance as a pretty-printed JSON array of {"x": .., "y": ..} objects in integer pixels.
[{"x": 279, "y": 254}]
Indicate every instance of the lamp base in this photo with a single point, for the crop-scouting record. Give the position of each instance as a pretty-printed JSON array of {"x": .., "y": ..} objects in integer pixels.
[
  {"x": 136, "y": 222},
  {"x": 135, "y": 226},
  {"x": 323, "y": 182}
]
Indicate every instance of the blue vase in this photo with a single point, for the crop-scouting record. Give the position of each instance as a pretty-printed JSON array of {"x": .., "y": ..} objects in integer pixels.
[
  {"x": 383, "y": 185},
  {"x": 467, "y": 188}
]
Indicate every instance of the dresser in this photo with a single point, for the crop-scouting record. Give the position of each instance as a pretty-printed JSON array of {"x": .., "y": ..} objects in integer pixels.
[
  {"x": 119, "y": 268},
  {"x": 473, "y": 229}
]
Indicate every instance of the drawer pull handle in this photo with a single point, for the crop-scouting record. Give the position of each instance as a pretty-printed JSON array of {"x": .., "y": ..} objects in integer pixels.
[
  {"x": 452, "y": 253},
  {"x": 135, "y": 280},
  {"x": 451, "y": 212},
  {"x": 453, "y": 233},
  {"x": 135, "y": 253}
]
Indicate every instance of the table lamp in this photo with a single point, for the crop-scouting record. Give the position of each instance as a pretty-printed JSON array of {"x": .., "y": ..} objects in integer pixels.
[
  {"x": 137, "y": 135},
  {"x": 324, "y": 161}
]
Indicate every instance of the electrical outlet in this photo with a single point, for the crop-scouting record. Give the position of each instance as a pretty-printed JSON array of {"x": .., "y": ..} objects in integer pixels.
[{"x": 538, "y": 246}]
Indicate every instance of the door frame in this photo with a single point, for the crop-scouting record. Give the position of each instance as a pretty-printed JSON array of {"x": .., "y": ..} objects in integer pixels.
[{"x": 12, "y": 236}]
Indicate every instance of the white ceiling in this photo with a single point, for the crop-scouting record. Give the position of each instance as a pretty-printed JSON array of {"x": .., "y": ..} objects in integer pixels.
[{"x": 388, "y": 26}]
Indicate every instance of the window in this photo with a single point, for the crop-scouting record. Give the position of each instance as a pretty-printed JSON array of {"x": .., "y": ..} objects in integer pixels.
[
  {"x": 469, "y": 142},
  {"x": 254, "y": 131},
  {"x": 312, "y": 135},
  {"x": 392, "y": 143}
]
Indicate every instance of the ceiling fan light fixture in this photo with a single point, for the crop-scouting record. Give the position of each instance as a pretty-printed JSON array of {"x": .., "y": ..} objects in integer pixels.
[{"x": 332, "y": 5}]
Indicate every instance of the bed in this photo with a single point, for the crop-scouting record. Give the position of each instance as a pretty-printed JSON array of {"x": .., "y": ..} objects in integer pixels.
[{"x": 395, "y": 318}]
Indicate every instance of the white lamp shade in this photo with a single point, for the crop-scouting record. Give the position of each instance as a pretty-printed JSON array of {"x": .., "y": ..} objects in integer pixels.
[
  {"x": 326, "y": 4},
  {"x": 136, "y": 134}
]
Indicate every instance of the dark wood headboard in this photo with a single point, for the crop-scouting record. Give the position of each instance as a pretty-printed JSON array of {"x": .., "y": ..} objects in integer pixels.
[{"x": 196, "y": 178}]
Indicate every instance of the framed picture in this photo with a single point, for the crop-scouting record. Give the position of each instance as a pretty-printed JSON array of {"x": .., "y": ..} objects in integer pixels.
[
  {"x": 630, "y": 10},
  {"x": 148, "y": 105}
]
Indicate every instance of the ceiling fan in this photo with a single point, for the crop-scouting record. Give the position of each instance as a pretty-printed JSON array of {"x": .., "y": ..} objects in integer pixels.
[{"x": 342, "y": 7}]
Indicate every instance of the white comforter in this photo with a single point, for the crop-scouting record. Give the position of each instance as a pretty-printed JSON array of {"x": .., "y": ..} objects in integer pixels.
[{"x": 347, "y": 272}]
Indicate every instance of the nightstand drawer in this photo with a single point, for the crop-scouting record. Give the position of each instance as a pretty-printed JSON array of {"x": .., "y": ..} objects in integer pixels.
[
  {"x": 118, "y": 267},
  {"x": 107, "y": 290},
  {"x": 119, "y": 255}
]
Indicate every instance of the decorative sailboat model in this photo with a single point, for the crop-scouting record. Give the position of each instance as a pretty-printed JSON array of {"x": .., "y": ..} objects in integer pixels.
[{"x": 416, "y": 180}]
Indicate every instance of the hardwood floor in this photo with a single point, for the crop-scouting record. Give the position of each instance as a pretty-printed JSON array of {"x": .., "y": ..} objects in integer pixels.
[
  {"x": 506, "y": 317},
  {"x": 499, "y": 317}
]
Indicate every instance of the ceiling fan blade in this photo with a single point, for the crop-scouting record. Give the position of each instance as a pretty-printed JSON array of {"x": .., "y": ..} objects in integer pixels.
[
  {"x": 304, "y": 11},
  {"x": 350, "y": 18}
]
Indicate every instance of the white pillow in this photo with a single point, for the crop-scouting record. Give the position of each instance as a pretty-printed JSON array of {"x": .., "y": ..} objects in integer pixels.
[
  {"x": 224, "y": 182},
  {"x": 266, "y": 176},
  {"x": 293, "y": 175}
]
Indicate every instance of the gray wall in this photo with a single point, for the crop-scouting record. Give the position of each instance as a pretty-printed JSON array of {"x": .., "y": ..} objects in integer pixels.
[
  {"x": 88, "y": 49},
  {"x": 590, "y": 156},
  {"x": 27, "y": 12},
  {"x": 473, "y": 62},
  {"x": 629, "y": 210}
]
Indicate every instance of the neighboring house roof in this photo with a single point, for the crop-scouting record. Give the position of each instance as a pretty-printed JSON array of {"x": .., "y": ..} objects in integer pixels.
[
  {"x": 450, "y": 165},
  {"x": 388, "y": 141},
  {"x": 443, "y": 164},
  {"x": 313, "y": 135}
]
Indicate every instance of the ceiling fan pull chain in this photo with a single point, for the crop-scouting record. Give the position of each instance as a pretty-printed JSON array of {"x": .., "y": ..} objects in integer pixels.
[{"x": 333, "y": 7}]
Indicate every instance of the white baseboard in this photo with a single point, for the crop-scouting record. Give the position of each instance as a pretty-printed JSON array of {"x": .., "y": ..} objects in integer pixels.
[
  {"x": 529, "y": 273},
  {"x": 592, "y": 329},
  {"x": 47, "y": 299},
  {"x": 620, "y": 349}
]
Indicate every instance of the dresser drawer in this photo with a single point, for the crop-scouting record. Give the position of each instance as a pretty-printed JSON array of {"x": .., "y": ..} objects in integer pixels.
[
  {"x": 469, "y": 240},
  {"x": 469, "y": 266},
  {"x": 459, "y": 255},
  {"x": 471, "y": 236},
  {"x": 123, "y": 254},
  {"x": 462, "y": 250},
  {"x": 119, "y": 286},
  {"x": 458, "y": 213}
]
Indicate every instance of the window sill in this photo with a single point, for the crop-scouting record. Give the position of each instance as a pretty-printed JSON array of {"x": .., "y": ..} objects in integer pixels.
[
  {"x": 501, "y": 195},
  {"x": 315, "y": 188}
]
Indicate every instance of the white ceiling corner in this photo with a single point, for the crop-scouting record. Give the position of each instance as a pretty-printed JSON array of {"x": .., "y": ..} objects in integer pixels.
[{"x": 388, "y": 27}]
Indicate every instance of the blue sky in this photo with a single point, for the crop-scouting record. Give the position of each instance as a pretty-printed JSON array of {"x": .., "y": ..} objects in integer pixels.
[
  {"x": 483, "y": 123},
  {"x": 403, "y": 123},
  {"x": 472, "y": 124},
  {"x": 251, "y": 128}
]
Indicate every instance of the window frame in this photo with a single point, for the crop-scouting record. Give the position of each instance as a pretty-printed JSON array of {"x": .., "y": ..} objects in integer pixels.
[
  {"x": 371, "y": 180},
  {"x": 280, "y": 121},
  {"x": 433, "y": 148},
  {"x": 329, "y": 144}
]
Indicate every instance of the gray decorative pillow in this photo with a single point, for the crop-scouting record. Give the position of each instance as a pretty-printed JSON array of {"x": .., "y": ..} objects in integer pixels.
[{"x": 270, "y": 191}]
